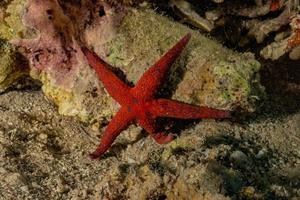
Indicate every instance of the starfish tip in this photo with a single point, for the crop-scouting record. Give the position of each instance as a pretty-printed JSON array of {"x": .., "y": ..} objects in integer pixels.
[
  {"x": 186, "y": 38},
  {"x": 84, "y": 50},
  {"x": 227, "y": 114},
  {"x": 189, "y": 35},
  {"x": 162, "y": 138},
  {"x": 94, "y": 156}
]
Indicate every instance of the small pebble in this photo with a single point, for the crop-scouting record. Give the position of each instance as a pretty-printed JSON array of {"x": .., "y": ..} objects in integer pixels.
[
  {"x": 13, "y": 179},
  {"x": 295, "y": 53},
  {"x": 2, "y": 170},
  {"x": 239, "y": 158},
  {"x": 25, "y": 188},
  {"x": 2, "y": 14},
  {"x": 43, "y": 136},
  {"x": 261, "y": 154}
]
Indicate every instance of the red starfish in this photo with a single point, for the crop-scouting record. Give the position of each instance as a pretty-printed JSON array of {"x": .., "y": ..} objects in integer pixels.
[
  {"x": 275, "y": 5},
  {"x": 139, "y": 103}
]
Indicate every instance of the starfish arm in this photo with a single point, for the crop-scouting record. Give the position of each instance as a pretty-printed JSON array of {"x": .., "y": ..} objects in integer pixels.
[
  {"x": 176, "y": 109},
  {"x": 148, "y": 124},
  {"x": 118, "y": 123},
  {"x": 113, "y": 85},
  {"x": 152, "y": 78}
]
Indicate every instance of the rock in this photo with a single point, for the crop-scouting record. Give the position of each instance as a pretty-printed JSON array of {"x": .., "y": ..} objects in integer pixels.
[
  {"x": 43, "y": 138},
  {"x": 239, "y": 158},
  {"x": 10, "y": 67},
  {"x": 3, "y": 171},
  {"x": 189, "y": 185},
  {"x": 144, "y": 186},
  {"x": 11, "y": 26},
  {"x": 295, "y": 53},
  {"x": 25, "y": 189},
  {"x": 13, "y": 179},
  {"x": 56, "y": 58},
  {"x": 221, "y": 79},
  {"x": 206, "y": 73},
  {"x": 261, "y": 154},
  {"x": 248, "y": 192}
]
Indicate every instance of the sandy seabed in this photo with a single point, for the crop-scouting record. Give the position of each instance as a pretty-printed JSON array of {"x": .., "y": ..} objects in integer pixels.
[{"x": 44, "y": 156}]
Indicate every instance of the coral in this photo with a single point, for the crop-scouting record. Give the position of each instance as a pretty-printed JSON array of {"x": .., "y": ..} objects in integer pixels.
[
  {"x": 55, "y": 56},
  {"x": 285, "y": 42},
  {"x": 261, "y": 29},
  {"x": 258, "y": 19}
]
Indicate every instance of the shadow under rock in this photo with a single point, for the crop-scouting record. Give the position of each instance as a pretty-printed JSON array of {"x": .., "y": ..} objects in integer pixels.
[
  {"x": 246, "y": 164},
  {"x": 281, "y": 79}
]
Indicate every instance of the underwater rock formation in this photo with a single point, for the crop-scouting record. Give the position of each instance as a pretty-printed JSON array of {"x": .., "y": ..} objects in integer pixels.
[
  {"x": 55, "y": 56},
  {"x": 11, "y": 66},
  {"x": 206, "y": 74},
  {"x": 11, "y": 69}
]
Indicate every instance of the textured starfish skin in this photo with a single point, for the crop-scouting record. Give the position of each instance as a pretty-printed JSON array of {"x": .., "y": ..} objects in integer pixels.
[{"x": 138, "y": 104}]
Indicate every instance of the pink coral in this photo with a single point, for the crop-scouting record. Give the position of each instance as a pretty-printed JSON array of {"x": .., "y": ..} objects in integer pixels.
[{"x": 61, "y": 26}]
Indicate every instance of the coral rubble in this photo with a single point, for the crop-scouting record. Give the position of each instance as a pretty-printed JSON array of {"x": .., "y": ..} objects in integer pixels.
[{"x": 258, "y": 19}]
